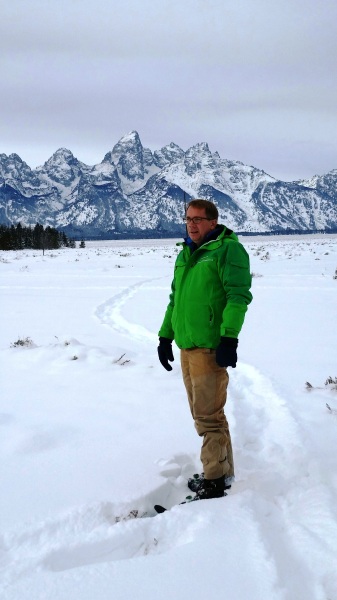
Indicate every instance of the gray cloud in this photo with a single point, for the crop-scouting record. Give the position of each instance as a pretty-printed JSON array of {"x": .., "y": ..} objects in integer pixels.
[{"x": 255, "y": 80}]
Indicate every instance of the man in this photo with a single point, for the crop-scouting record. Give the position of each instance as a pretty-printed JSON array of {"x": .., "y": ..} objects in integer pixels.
[{"x": 209, "y": 299}]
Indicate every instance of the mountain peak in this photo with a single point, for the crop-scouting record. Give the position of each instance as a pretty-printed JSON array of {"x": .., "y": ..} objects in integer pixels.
[
  {"x": 128, "y": 156},
  {"x": 132, "y": 136},
  {"x": 15, "y": 157},
  {"x": 62, "y": 154},
  {"x": 168, "y": 154},
  {"x": 62, "y": 167},
  {"x": 128, "y": 143},
  {"x": 200, "y": 147}
]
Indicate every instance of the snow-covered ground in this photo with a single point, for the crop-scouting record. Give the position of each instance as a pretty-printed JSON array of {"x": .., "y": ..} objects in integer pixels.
[{"x": 94, "y": 432}]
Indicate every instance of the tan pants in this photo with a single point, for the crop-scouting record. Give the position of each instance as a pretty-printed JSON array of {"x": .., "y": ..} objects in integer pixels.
[{"x": 206, "y": 386}]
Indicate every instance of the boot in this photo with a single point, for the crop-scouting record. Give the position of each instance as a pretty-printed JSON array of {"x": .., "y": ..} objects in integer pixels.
[
  {"x": 210, "y": 488},
  {"x": 197, "y": 480}
]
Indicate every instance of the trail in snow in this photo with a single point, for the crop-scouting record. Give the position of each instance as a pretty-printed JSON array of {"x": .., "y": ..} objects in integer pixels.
[
  {"x": 109, "y": 313},
  {"x": 273, "y": 464}
]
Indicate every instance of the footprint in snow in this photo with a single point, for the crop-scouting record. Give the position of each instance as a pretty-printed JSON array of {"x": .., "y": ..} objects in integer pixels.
[{"x": 106, "y": 532}]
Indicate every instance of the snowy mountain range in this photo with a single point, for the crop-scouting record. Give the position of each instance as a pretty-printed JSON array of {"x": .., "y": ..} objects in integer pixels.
[{"x": 135, "y": 192}]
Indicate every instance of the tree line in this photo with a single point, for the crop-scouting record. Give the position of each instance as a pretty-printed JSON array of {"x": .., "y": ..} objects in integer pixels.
[{"x": 18, "y": 237}]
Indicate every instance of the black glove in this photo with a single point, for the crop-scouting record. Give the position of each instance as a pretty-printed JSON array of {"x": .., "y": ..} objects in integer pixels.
[
  {"x": 165, "y": 352},
  {"x": 225, "y": 354}
]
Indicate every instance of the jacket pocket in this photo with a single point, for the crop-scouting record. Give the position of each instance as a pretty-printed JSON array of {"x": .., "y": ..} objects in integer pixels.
[{"x": 200, "y": 325}]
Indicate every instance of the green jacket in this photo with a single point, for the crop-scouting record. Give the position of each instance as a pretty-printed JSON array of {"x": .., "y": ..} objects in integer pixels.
[{"x": 210, "y": 293}]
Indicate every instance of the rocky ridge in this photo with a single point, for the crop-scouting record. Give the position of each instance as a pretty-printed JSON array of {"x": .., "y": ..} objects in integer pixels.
[{"x": 135, "y": 192}]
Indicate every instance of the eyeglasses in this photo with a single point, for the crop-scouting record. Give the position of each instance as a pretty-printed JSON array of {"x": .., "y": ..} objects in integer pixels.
[{"x": 196, "y": 220}]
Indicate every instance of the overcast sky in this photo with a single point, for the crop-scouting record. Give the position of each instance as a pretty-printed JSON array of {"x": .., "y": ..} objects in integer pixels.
[{"x": 256, "y": 79}]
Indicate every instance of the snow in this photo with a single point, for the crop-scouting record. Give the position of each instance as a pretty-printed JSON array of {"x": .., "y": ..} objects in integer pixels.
[
  {"x": 94, "y": 431},
  {"x": 130, "y": 187}
]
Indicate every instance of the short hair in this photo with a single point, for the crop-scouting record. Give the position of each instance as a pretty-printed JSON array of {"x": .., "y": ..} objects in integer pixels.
[{"x": 210, "y": 208}]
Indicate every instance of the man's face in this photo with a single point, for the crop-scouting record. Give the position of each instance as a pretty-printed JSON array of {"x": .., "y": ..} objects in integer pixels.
[{"x": 198, "y": 231}]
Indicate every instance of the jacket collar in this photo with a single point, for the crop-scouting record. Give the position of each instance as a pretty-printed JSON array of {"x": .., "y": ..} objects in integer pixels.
[{"x": 212, "y": 235}]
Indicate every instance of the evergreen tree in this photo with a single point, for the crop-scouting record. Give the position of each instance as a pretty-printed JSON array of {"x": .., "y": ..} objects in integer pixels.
[
  {"x": 38, "y": 237},
  {"x": 18, "y": 237}
]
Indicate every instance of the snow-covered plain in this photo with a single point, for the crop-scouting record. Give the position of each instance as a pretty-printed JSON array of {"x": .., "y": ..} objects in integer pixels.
[{"x": 94, "y": 431}]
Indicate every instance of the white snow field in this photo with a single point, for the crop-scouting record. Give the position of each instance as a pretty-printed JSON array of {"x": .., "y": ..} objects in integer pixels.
[{"x": 94, "y": 432}]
